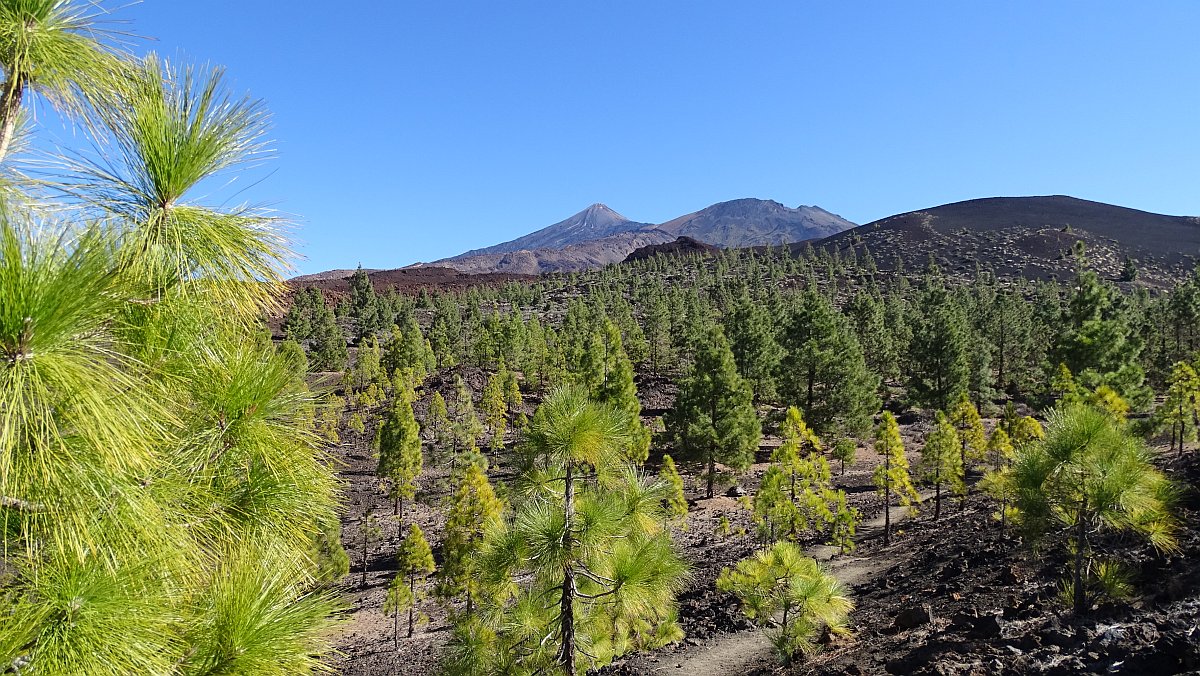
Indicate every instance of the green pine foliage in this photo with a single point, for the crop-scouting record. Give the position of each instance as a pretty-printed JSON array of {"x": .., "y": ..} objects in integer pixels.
[
  {"x": 585, "y": 571},
  {"x": 892, "y": 477},
  {"x": 714, "y": 418},
  {"x": 824, "y": 369},
  {"x": 473, "y": 508},
  {"x": 398, "y": 444},
  {"x": 164, "y": 500},
  {"x": 941, "y": 461},
  {"x": 676, "y": 501},
  {"x": 844, "y": 451},
  {"x": 495, "y": 408},
  {"x": 415, "y": 562},
  {"x": 780, "y": 584},
  {"x": 1090, "y": 474}
]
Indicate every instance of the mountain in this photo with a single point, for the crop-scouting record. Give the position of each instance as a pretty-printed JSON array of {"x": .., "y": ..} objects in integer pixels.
[
  {"x": 751, "y": 222},
  {"x": 594, "y": 222},
  {"x": 583, "y": 256},
  {"x": 598, "y": 236},
  {"x": 1029, "y": 236}
]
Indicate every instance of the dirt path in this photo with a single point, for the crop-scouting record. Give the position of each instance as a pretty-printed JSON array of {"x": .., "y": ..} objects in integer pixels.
[{"x": 741, "y": 652}]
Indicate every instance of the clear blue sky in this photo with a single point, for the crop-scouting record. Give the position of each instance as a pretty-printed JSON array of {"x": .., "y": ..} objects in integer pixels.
[{"x": 411, "y": 130}]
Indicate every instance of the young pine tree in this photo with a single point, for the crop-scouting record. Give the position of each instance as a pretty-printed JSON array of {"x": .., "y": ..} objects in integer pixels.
[
  {"x": 438, "y": 420},
  {"x": 1090, "y": 474},
  {"x": 586, "y": 567},
  {"x": 941, "y": 462},
  {"x": 676, "y": 501},
  {"x": 398, "y": 443},
  {"x": 495, "y": 408},
  {"x": 780, "y": 584},
  {"x": 714, "y": 418},
  {"x": 844, "y": 452},
  {"x": 892, "y": 477},
  {"x": 473, "y": 508},
  {"x": 416, "y": 561}
]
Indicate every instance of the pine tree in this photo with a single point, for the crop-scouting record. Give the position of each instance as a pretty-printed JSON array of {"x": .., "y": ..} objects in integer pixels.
[
  {"x": 997, "y": 482},
  {"x": 824, "y": 369},
  {"x": 939, "y": 354},
  {"x": 1178, "y": 407},
  {"x": 416, "y": 561},
  {"x": 398, "y": 443},
  {"x": 714, "y": 418},
  {"x": 892, "y": 476},
  {"x": 495, "y": 408},
  {"x": 780, "y": 582},
  {"x": 590, "y": 538},
  {"x": 473, "y": 508},
  {"x": 676, "y": 501},
  {"x": 1090, "y": 473},
  {"x": 615, "y": 386},
  {"x": 328, "y": 346},
  {"x": 844, "y": 522},
  {"x": 364, "y": 311},
  {"x": 438, "y": 420},
  {"x": 844, "y": 452},
  {"x": 972, "y": 437},
  {"x": 752, "y": 340},
  {"x": 467, "y": 428},
  {"x": 370, "y": 531},
  {"x": 941, "y": 461}
]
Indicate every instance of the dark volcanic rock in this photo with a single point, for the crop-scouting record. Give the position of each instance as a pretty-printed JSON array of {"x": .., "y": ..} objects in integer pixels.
[
  {"x": 681, "y": 246},
  {"x": 912, "y": 617}
]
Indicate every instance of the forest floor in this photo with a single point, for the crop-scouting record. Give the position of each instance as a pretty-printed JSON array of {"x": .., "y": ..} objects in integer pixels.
[{"x": 948, "y": 597}]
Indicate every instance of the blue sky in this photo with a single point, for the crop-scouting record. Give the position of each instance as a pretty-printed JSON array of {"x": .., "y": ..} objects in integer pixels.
[{"x": 411, "y": 131}]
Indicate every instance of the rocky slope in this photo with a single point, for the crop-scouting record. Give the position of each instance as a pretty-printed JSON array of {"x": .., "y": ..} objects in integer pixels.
[
  {"x": 1028, "y": 236},
  {"x": 593, "y": 223},
  {"x": 598, "y": 236}
]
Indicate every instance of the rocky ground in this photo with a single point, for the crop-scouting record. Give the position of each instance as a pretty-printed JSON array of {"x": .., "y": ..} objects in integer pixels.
[{"x": 951, "y": 597}]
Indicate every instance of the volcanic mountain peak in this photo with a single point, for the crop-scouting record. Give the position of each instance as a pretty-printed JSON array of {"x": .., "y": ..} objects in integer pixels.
[
  {"x": 595, "y": 222},
  {"x": 755, "y": 222}
]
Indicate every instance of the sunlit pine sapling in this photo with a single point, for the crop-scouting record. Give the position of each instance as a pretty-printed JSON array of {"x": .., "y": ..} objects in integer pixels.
[
  {"x": 473, "y": 508},
  {"x": 495, "y": 409},
  {"x": 972, "y": 437},
  {"x": 1179, "y": 406},
  {"x": 416, "y": 562},
  {"x": 586, "y": 570},
  {"x": 941, "y": 462},
  {"x": 780, "y": 587},
  {"x": 398, "y": 443},
  {"x": 891, "y": 477},
  {"x": 844, "y": 452},
  {"x": 1091, "y": 475},
  {"x": 676, "y": 501},
  {"x": 370, "y": 531}
]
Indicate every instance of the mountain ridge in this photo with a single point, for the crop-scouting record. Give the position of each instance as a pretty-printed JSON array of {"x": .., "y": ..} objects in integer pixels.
[{"x": 599, "y": 235}]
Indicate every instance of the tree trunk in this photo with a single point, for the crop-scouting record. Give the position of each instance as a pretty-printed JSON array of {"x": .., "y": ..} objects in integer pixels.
[
  {"x": 366, "y": 546},
  {"x": 10, "y": 109},
  {"x": 937, "y": 500},
  {"x": 566, "y": 654},
  {"x": 887, "y": 513},
  {"x": 412, "y": 593},
  {"x": 1080, "y": 598},
  {"x": 712, "y": 470},
  {"x": 396, "y": 630},
  {"x": 887, "y": 498}
]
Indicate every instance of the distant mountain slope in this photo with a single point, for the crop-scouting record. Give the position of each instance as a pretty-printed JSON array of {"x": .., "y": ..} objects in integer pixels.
[
  {"x": 752, "y": 222},
  {"x": 1029, "y": 236},
  {"x": 598, "y": 236},
  {"x": 583, "y": 256},
  {"x": 593, "y": 223}
]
